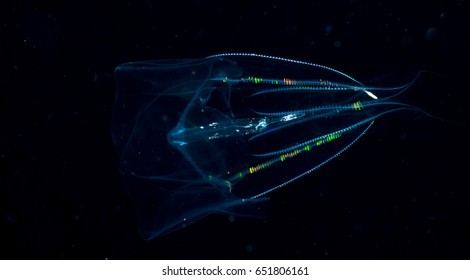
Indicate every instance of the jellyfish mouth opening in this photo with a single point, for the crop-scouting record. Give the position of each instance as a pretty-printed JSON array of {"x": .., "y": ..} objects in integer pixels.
[{"x": 176, "y": 137}]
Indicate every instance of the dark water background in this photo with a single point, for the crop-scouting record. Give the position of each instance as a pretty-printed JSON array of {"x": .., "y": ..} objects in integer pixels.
[{"x": 400, "y": 192}]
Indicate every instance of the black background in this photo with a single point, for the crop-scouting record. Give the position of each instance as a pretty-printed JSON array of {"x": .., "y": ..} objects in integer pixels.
[{"x": 400, "y": 192}]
